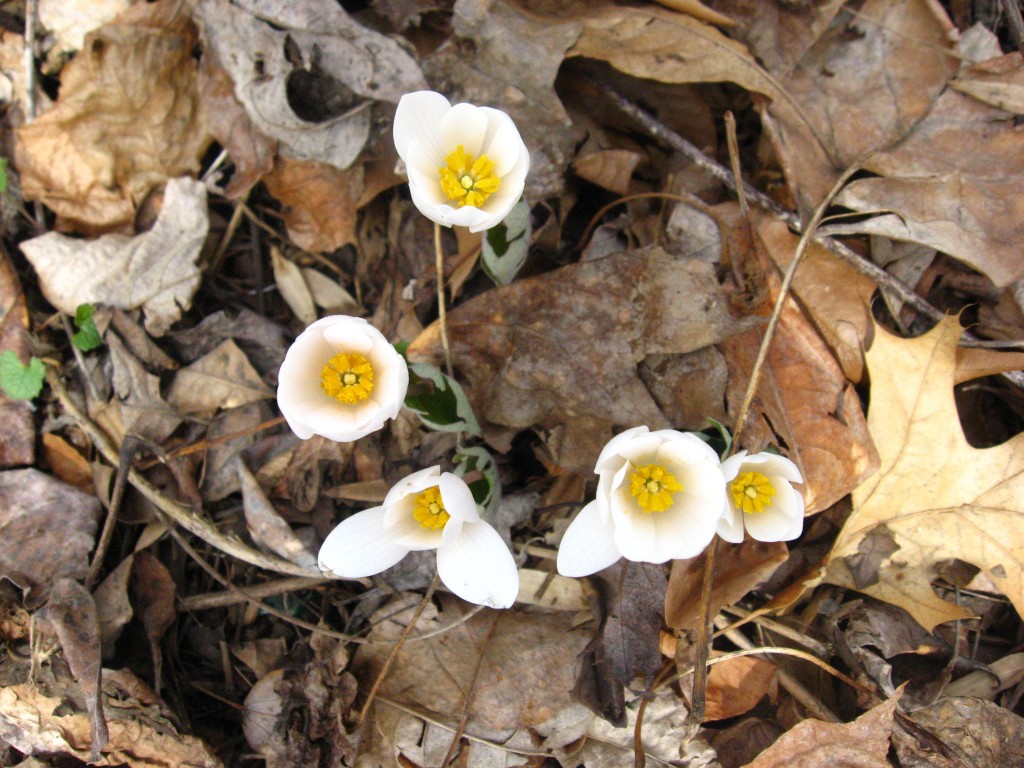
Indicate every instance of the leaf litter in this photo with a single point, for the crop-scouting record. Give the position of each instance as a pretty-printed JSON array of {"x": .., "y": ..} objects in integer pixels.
[{"x": 209, "y": 178}]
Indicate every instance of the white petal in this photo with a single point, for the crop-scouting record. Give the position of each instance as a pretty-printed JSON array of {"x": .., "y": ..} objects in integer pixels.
[
  {"x": 427, "y": 186},
  {"x": 401, "y": 498},
  {"x": 773, "y": 464},
  {"x": 458, "y": 498},
  {"x": 611, "y": 454},
  {"x": 429, "y": 207},
  {"x": 731, "y": 466},
  {"x": 503, "y": 144},
  {"x": 784, "y": 518},
  {"x": 360, "y": 546},
  {"x": 419, "y": 117},
  {"x": 730, "y": 527},
  {"x": 478, "y": 567},
  {"x": 470, "y": 216},
  {"x": 637, "y": 537},
  {"x": 464, "y": 125},
  {"x": 409, "y": 533},
  {"x": 588, "y": 545},
  {"x": 351, "y": 334}
]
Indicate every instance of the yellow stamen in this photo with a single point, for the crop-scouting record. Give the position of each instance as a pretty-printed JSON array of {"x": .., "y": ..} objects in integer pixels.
[
  {"x": 429, "y": 510},
  {"x": 468, "y": 181},
  {"x": 347, "y": 377},
  {"x": 752, "y": 492},
  {"x": 652, "y": 487}
]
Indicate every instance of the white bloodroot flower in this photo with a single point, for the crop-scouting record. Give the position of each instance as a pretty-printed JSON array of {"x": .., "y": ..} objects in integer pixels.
[
  {"x": 659, "y": 497},
  {"x": 467, "y": 165},
  {"x": 761, "y": 499},
  {"x": 341, "y": 379},
  {"x": 427, "y": 510}
]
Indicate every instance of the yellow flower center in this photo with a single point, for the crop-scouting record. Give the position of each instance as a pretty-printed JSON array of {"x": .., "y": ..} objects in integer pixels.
[
  {"x": 752, "y": 492},
  {"x": 429, "y": 510},
  {"x": 347, "y": 377},
  {"x": 652, "y": 487},
  {"x": 468, "y": 181}
]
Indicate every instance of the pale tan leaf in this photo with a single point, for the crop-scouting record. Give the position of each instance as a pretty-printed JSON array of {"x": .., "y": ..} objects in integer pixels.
[
  {"x": 935, "y": 495},
  {"x": 266, "y": 526},
  {"x": 156, "y": 270},
  {"x": 318, "y": 201},
  {"x": 608, "y": 168},
  {"x": 292, "y": 287},
  {"x": 222, "y": 378},
  {"x": 328, "y": 293}
]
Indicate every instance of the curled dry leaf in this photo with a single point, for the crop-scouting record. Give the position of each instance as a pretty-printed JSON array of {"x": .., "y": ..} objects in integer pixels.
[
  {"x": 113, "y": 608},
  {"x": 306, "y": 72},
  {"x": 17, "y": 427},
  {"x": 40, "y": 515},
  {"x": 953, "y": 184},
  {"x": 127, "y": 120},
  {"x": 525, "y": 348},
  {"x": 266, "y": 526},
  {"x": 141, "y": 408},
  {"x": 222, "y": 378},
  {"x": 156, "y": 270},
  {"x": 934, "y": 496},
  {"x": 804, "y": 403},
  {"x": 152, "y": 594},
  {"x": 292, "y": 286}
]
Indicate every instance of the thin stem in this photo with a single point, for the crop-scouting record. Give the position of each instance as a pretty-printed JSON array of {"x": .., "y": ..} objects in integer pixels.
[{"x": 442, "y": 312}]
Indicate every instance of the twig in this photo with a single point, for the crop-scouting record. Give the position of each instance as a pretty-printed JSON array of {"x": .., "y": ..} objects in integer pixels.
[
  {"x": 1015, "y": 22},
  {"x": 253, "y": 592},
  {"x": 398, "y": 647},
  {"x": 129, "y": 446},
  {"x": 177, "y": 513},
  {"x": 201, "y": 562},
  {"x": 30, "y": 59},
  {"x": 442, "y": 313}
]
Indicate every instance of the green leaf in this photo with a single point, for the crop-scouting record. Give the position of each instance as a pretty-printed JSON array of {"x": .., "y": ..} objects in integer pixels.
[
  {"x": 20, "y": 382},
  {"x": 88, "y": 336},
  {"x": 3, "y": 176},
  {"x": 505, "y": 245},
  {"x": 439, "y": 400},
  {"x": 486, "y": 489}
]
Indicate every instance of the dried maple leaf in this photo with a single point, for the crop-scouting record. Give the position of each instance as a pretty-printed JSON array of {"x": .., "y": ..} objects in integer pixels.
[{"x": 935, "y": 496}]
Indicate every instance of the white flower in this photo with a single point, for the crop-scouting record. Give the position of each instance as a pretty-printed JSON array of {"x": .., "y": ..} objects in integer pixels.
[
  {"x": 341, "y": 379},
  {"x": 427, "y": 510},
  {"x": 660, "y": 497},
  {"x": 761, "y": 498},
  {"x": 466, "y": 164}
]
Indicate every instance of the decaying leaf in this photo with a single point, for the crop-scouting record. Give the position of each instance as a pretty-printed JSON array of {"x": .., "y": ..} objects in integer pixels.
[
  {"x": 266, "y": 525},
  {"x": 736, "y": 686},
  {"x": 155, "y": 270},
  {"x": 40, "y": 515},
  {"x": 222, "y": 378},
  {"x": 70, "y": 614},
  {"x": 142, "y": 409},
  {"x": 128, "y": 119},
  {"x": 17, "y": 428},
  {"x": 738, "y": 570},
  {"x": 804, "y": 404},
  {"x": 864, "y": 743},
  {"x": 306, "y": 72},
  {"x": 526, "y": 348},
  {"x": 960, "y": 733},
  {"x": 292, "y": 286},
  {"x": 152, "y": 594},
  {"x": 521, "y": 664},
  {"x": 113, "y": 608},
  {"x": 66, "y": 462},
  {"x": 861, "y": 88},
  {"x": 318, "y": 202},
  {"x": 36, "y": 723},
  {"x": 953, "y": 184},
  {"x": 70, "y": 22},
  {"x": 608, "y": 168},
  {"x": 934, "y": 496}
]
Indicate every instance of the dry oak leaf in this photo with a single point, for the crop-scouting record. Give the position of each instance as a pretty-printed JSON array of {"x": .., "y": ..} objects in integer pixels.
[
  {"x": 864, "y": 743},
  {"x": 953, "y": 183},
  {"x": 128, "y": 118},
  {"x": 935, "y": 496},
  {"x": 156, "y": 270}
]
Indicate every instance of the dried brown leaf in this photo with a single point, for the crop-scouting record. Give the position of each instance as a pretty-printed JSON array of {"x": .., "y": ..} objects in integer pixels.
[
  {"x": 524, "y": 349},
  {"x": 152, "y": 593},
  {"x": 737, "y": 685},
  {"x": 805, "y": 405},
  {"x": 40, "y": 515},
  {"x": 935, "y": 495},
  {"x": 71, "y": 614},
  {"x": 113, "y": 608},
  {"x": 953, "y": 184},
  {"x": 960, "y": 733},
  {"x": 864, "y": 743},
  {"x": 266, "y": 526},
  {"x": 318, "y": 202},
  {"x": 222, "y": 378},
  {"x": 143, "y": 410},
  {"x": 608, "y": 168},
  {"x": 67, "y": 463},
  {"x": 862, "y": 87},
  {"x": 128, "y": 119},
  {"x": 17, "y": 428},
  {"x": 155, "y": 270},
  {"x": 738, "y": 570}
]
